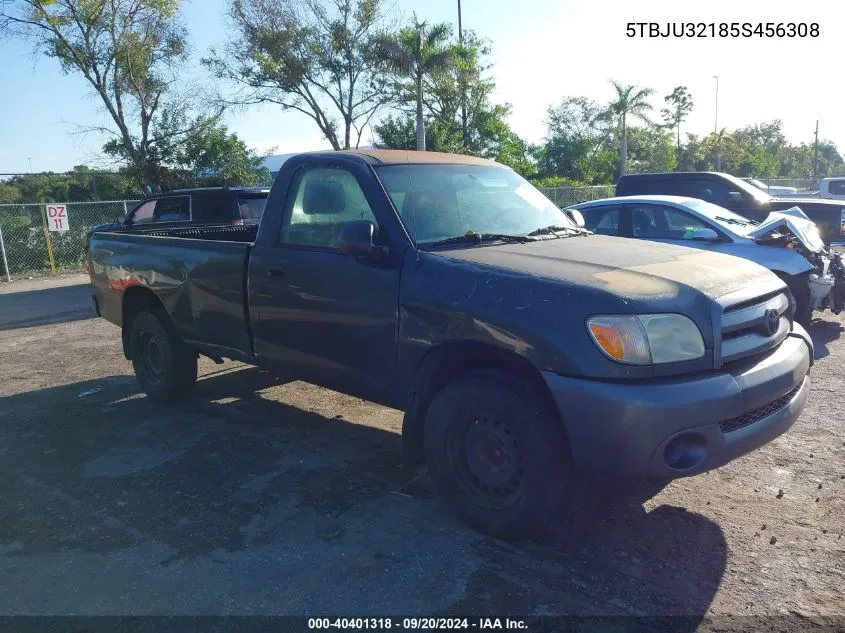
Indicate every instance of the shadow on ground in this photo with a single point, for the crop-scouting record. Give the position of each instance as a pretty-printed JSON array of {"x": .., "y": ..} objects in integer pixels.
[
  {"x": 236, "y": 502},
  {"x": 824, "y": 332},
  {"x": 29, "y": 308}
]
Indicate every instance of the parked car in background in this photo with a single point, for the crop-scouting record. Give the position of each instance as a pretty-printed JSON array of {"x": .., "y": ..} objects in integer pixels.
[
  {"x": 772, "y": 190},
  {"x": 196, "y": 207},
  {"x": 522, "y": 348},
  {"x": 737, "y": 195},
  {"x": 787, "y": 243},
  {"x": 832, "y": 188}
]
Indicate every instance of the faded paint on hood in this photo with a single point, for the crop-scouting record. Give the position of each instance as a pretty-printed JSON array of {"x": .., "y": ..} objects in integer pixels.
[
  {"x": 796, "y": 221},
  {"x": 628, "y": 268}
]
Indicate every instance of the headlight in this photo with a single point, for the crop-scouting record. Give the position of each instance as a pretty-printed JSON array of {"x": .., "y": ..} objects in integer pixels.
[{"x": 647, "y": 339}]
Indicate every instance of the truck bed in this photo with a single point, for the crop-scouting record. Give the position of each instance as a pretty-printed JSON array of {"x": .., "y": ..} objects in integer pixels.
[{"x": 197, "y": 273}]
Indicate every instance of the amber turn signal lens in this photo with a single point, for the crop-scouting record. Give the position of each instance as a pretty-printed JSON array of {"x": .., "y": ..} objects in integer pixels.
[{"x": 609, "y": 340}]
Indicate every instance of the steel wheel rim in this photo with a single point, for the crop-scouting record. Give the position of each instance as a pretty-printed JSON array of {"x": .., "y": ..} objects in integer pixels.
[
  {"x": 153, "y": 358},
  {"x": 486, "y": 457}
]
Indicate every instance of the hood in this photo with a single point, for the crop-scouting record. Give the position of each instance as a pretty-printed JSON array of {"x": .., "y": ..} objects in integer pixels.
[
  {"x": 794, "y": 220},
  {"x": 636, "y": 269}
]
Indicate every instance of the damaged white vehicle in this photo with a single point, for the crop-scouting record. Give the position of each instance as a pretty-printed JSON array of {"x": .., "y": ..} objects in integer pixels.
[{"x": 786, "y": 242}]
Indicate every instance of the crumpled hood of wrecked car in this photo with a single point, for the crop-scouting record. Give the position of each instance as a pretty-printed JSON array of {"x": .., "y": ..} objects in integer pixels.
[{"x": 628, "y": 268}]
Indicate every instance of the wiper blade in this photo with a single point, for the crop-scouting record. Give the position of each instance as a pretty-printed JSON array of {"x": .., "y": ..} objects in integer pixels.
[
  {"x": 479, "y": 238},
  {"x": 555, "y": 229}
]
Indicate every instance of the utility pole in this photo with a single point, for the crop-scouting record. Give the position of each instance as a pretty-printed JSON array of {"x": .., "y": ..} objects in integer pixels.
[
  {"x": 716, "y": 128},
  {"x": 816, "y": 153},
  {"x": 461, "y": 83},
  {"x": 716, "y": 118},
  {"x": 29, "y": 158}
]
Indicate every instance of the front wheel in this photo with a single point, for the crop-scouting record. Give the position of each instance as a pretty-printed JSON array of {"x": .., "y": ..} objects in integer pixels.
[
  {"x": 164, "y": 365},
  {"x": 497, "y": 456}
]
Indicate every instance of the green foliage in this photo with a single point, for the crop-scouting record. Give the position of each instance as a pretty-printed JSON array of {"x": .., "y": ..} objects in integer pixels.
[
  {"x": 418, "y": 55},
  {"x": 317, "y": 57},
  {"x": 550, "y": 182},
  {"x": 9, "y": 193},
  {"x": 578, "y": 142},
  {"x": 651, "y": 149},
  {"x": 678, "y": 107},
  {"x": 458, "y": 112},
  {"x": 630, "y": 102},
  {"x": 759, "y": 151},
  {"x": 80, "y": 185},
  {"x": 214, "y": 156}
]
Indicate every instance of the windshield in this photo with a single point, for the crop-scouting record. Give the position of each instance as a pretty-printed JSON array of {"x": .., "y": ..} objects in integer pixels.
[
  {"x": 725, "y": 218},
  {"x": 758, "y": 184},
  {"x": 751, "y": 190},
  {"x": 436, "y": 202}
]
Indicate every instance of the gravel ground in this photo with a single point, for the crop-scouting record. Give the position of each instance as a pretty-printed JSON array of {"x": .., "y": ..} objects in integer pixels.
[{"x": 263, "y": 497}]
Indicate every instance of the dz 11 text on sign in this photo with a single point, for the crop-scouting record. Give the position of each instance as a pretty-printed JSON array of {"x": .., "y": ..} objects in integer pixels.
[{"x": 57, "y": 219}]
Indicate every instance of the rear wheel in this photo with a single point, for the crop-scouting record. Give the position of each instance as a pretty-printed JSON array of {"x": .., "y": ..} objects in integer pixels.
[
  {"x": 164, "y": 365},
  {"x": 497, "y": 455}
]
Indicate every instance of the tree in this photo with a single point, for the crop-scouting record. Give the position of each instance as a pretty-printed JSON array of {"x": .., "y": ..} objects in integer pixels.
[
  {"x": 630, "y": 102},
  {"x": 578, "y": 142},
  {"x": 214, "y": 156},
  {"x": 458, "y": 113},
  {"x": 679, "y": 105},
  {"x": 416, "y": 53},
  {"x": 316, "y": 57},
  {"x": 651, "y": 149},
  {"x": 129, "y": 52}
]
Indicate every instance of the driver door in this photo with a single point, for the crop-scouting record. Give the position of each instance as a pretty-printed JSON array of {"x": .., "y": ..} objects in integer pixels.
[{"x": 322, "y": 315}]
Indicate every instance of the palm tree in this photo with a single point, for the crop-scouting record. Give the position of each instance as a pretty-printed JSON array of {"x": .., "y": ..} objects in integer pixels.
[
  {"x": 417, "y": 51},
  {"x": 631, "y": 102}
]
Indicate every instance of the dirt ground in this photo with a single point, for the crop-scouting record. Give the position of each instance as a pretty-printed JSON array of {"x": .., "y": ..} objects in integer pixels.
[{"x": 262, "y": 497}]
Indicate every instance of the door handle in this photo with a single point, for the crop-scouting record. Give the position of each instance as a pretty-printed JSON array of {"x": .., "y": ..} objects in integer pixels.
[{"x": 275, "y": 272}]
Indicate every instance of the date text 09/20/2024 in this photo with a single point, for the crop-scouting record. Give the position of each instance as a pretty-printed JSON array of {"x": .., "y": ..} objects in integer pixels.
[
  {"x": 417, "y": 624},
  {"x": 722, "y": 29}
]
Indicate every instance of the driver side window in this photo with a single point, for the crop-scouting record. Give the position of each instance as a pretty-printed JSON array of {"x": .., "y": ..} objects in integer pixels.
[{"x": 322, "y": 199}]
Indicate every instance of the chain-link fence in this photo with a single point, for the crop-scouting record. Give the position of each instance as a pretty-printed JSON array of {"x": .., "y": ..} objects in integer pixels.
[
  {"x": 30, "y": 248},
  {"x": 566, "y": 196}
]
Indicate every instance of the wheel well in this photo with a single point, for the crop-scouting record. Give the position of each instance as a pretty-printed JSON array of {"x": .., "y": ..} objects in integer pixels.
[
  {"x": 451, "y": 361},
  {"x": 135, "y": 301}
]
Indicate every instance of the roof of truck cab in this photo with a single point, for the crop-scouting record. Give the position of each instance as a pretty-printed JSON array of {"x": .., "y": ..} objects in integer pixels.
[
  {"x": 406, "y": 157},
  {"x": 244, "y": 189}
]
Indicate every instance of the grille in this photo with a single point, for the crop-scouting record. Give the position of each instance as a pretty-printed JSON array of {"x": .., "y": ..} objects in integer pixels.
[
  {"x": 759, "y": 413},
  {"x": 744, "y": 331}
]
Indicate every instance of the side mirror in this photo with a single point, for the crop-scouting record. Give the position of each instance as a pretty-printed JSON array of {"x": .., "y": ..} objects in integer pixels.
[
  {"x": 705, "y": 235},
  {"x": 735, "y": 197},
  {"x": 357, "y": 239},
  {"x": 577, "y": 217}
]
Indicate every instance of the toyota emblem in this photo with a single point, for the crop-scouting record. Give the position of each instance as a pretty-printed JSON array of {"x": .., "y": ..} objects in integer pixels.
[{"x": 771, "y": 322}]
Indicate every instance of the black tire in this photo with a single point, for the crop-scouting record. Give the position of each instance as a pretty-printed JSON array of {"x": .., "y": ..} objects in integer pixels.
[
  {"x": 164, "y": 365},
  {"x": 497, "y": 455}
]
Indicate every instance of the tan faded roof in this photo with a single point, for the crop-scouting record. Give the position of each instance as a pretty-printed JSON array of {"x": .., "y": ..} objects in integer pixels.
[{"x": 401, "y": 157}]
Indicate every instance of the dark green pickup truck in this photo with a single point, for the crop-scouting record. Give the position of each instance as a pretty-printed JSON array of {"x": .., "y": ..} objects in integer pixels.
[{"x": 523, "y": 349}]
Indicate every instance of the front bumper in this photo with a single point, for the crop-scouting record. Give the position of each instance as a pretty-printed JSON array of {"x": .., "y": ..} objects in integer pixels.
[{"x": 682, "y": 427}]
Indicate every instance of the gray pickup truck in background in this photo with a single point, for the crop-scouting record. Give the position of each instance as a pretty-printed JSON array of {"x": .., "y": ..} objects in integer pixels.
[{"x": 523, "y": 349}]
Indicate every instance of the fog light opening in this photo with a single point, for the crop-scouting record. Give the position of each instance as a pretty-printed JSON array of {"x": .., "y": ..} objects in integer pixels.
[{"x": 685, "y": 451}]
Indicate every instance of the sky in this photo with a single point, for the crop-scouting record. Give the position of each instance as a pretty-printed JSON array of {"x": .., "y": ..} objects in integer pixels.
[{"x": 542, "y": 51}]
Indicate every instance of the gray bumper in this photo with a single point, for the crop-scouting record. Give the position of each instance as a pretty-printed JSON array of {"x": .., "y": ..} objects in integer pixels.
[{"x": 677, "y": 428}]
